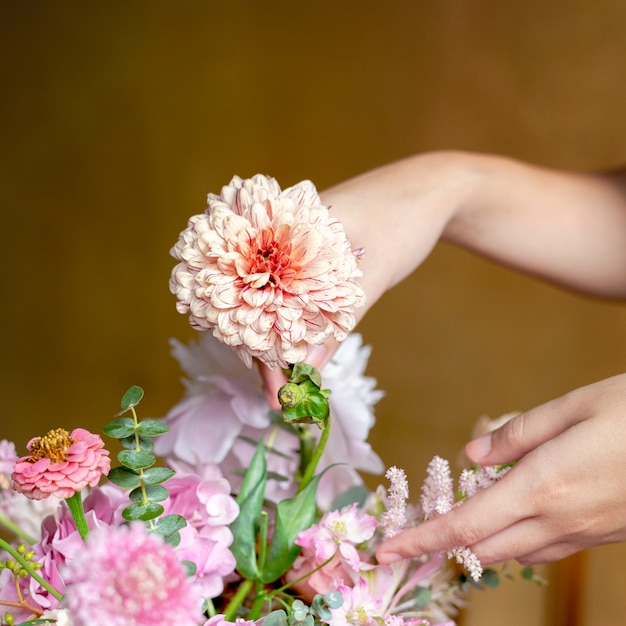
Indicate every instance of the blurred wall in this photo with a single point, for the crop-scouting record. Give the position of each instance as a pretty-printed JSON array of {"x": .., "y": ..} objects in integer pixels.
[{"x": 119, "y": 117}]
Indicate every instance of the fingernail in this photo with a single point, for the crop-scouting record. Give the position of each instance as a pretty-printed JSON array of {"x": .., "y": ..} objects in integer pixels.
[
  {"x": 389, "y": 557},
  {"x": 479, "y": 448}
]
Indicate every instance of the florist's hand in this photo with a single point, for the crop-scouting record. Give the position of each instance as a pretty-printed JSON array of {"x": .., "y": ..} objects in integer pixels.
[{"x": 565, "y": 494}]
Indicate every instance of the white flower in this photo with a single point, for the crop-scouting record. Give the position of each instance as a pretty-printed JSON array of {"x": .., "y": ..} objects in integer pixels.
[
  {"x": 268, "y": 271},
  {"x": 224, "y": 409}
]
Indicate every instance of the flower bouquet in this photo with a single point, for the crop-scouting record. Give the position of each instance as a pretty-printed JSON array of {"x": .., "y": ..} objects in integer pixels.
[{"x": 226, "y": 510}]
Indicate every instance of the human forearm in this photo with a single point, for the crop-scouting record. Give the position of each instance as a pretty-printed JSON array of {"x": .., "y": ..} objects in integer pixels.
[{"x": 566, "y": 227}]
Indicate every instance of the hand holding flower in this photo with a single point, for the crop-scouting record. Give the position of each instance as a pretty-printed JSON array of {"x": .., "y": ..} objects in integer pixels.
[{"x": 565, "y": 494}]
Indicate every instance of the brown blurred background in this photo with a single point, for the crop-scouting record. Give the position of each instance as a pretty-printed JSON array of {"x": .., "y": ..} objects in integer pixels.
[{"x": 119, "y": 117}]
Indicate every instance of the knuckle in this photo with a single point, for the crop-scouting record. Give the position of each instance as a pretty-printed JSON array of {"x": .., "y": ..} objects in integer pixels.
[{"x": 512, "y": 434}]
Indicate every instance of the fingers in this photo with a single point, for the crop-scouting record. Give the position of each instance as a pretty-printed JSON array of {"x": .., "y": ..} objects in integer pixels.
[
  {"x": 526, "y": 431},
  {"x": 273, "y": 380},
  {"x": 479, "y": 518}
]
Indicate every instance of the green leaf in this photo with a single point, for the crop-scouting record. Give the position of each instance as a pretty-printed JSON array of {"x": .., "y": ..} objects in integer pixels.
[
  {"x": 190, "y": 567},
  {"x": 292, "y": 516},
  {"x": 134, "y": 441},
  {"x": 422, "y": 596},
  {"x": 355, "y": 494},
  {"x": 136, "y": 459},
  {"x": 173, "y": 539},
  {"x": 124, "y": 477},
  {"x": 157, "y": 475},
  {"x": 143, "y": 512},
  {"x": 302, "y": 372},
  {"x": 154, "y": 493},
  {"x": 276, "y": 618},
  {"x": 132, "y": 398},
  {"x": 152, "y": 428},
  {"x": 170, "y": 524},
  {"x": 490, "y": 578},
  {"x": 246, "y": 526},
  {"x": 120, "y": 428}
]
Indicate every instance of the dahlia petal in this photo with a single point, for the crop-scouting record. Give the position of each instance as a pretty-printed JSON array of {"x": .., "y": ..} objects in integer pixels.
[{"x": 258, "y": 247}]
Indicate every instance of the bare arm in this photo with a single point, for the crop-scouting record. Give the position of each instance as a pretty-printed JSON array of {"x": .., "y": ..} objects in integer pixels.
[
  {"x": 565, "y": 227},
  {"x": 569, "y": 228}
]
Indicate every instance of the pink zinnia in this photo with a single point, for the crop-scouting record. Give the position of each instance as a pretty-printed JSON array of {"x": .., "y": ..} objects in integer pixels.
[
  {"x": 268, "y": 271},
  {"x": 125, "y": 576},
  {"x": 61, "y": 463}
]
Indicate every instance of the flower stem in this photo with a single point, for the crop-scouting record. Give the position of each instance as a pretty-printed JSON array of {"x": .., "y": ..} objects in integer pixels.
[
  {"x": 28, "y": 567},
  {"x": 237, "y": 600},
  {"x": 255, "y": 611},
  {"x": 75, "y": 503},
  {"x": 307, "y": 477},
  {"x": 16, "y": 530}
]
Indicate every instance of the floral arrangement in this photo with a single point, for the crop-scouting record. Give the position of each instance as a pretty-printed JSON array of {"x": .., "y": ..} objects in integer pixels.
[{"x": 252, "y": 515}]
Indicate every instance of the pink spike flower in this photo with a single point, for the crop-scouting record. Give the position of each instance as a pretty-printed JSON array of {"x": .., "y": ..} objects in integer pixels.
[
  {"x": 269, "y": 271},
  {"x": 61, "y": 463}
]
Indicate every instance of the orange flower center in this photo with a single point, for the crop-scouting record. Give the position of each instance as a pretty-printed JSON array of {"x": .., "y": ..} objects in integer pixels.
[
  {"x": 53, "y": 446},
  {"x": 272, "y": 257}
]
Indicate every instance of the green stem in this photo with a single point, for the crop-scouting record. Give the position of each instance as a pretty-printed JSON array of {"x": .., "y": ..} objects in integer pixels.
[
  {"x": 231, "y": 610},
  {"x": 75, "y": 503},
  {"x": 263, "y": 540},
  {"x": 255, "y": 611},
  {"x": 16, "y": 530},
  {"x": 315, "y": 459},
  {"x": 291, "y": 583},
  {"x": 28, "y": 567}
]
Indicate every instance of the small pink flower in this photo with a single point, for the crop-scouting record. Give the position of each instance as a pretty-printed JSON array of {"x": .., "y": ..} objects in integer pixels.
[
  {"x": 124, "y": 575},
  {"x": 359, "y": 606},
  {"x": 267, "y": 270},
  {"x": 61, "y": 463},
  {"x": 338, "y": 534},
  {"x": 339, "y": 531}
]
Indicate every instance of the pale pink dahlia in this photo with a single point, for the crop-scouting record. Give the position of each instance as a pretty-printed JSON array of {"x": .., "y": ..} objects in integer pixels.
[
  {"x": 61, "y": 463},
  {"x": 125, "y": 575},
  {"x": 268, "y": 271}
]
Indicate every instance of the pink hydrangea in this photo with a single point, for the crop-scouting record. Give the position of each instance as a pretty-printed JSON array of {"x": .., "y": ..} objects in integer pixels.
[
  {"x": 267, "y": 270},
  {"x": 61, "y": 463},
  {"x": 124, "y": 575},
  {"x": 61, "y": 542},
  {"x": 205, "y": 502}
]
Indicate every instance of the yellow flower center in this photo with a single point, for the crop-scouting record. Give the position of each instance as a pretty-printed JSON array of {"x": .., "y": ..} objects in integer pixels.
[
  {"x": 53, "y": 445},
  {"x": 339, "y": 527}
]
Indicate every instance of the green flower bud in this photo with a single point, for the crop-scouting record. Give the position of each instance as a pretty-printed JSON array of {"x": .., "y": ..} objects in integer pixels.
[{"x": 290, "y": 395}]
